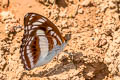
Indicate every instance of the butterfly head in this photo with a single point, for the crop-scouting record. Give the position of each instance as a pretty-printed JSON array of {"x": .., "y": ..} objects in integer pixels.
[{"x": 67, "y": 37}]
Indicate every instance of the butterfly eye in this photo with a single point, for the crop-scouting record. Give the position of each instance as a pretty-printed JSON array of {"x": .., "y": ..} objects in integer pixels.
[{"x": 67, "y": 37}]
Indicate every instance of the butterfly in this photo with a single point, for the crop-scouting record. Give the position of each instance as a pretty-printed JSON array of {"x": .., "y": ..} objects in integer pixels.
[{"x": 41, "y": 41}]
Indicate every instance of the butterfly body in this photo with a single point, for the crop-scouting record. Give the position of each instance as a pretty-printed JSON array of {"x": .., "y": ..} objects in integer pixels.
[{"x": 41, "y": 41}]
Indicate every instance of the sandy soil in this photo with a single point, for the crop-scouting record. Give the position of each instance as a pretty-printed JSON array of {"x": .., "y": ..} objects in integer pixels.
[{"x": 95, "y": 40}]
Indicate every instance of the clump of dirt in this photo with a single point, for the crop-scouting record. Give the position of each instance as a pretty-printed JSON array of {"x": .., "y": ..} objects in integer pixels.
[{"x": 94, "y": 45}]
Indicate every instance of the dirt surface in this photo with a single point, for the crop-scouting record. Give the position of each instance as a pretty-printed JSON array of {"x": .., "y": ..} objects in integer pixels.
[{"x": 94, "y": 44}]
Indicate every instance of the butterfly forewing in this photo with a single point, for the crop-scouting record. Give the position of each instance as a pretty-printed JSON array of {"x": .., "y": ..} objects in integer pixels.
[{"x": 39, "y": 38}]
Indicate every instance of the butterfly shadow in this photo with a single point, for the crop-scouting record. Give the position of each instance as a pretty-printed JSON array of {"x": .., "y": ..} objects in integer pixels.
[{"x": 63, "y": 66}]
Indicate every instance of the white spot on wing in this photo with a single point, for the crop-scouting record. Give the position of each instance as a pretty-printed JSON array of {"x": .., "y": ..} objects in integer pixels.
[
  {"x": 52, "y": 32},
  {"x": 27, "y": 39},
  {"x": 30, "y": 40},
  {"x": 29, "y": 27},
  {"x": 30, "y": 31},
  {"x": 33, "y": 15},
  {"x": 41, "y": 20},
  {"x": 59, "y": 39},
  {"x": 40, "y": 32},
  {"x": 33, "y": 27},
  {"x": 49, "y": 28},
  {"x": 25, "y": 28},
  {"x": 28, "y": 48},
  {"x": 44, "y": 19},
  {"x": 28, "y": 22},
  {"x": 30, "y": 18},
  {"x": 28, "y": 52},
  {"x": 36, "y": 23},
  {"x": 29, "y": 43}
]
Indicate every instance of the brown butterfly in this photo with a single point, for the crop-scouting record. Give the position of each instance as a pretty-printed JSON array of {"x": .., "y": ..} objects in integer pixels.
[{"x": 41, "y": 41}]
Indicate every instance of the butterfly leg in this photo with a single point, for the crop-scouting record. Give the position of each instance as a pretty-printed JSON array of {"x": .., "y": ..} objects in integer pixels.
[{"x": 70, "y": 55}]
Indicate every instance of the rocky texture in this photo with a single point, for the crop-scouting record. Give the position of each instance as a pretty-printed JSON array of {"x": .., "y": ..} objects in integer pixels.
[{"x": 95, "y": 39}]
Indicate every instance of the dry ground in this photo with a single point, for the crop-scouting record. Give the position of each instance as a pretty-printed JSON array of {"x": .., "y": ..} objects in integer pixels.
[{"x": 95, "y": 40}]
